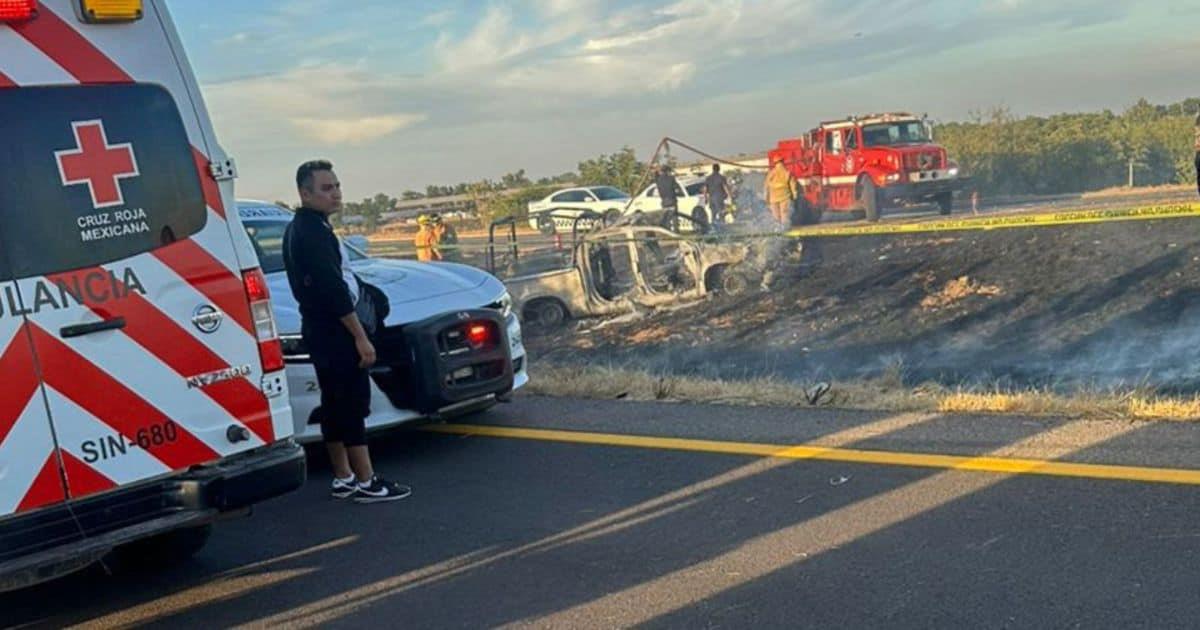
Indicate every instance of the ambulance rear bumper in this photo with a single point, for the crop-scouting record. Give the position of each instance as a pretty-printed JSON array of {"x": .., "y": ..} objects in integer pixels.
[{"x": 58, "y": 540}]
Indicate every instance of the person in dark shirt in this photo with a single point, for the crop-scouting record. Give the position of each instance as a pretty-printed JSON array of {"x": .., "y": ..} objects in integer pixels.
[
  {"x": 717, "y": 189},
  {"x": 340, "y": 349},
  {"x": 666, "y": 184}
]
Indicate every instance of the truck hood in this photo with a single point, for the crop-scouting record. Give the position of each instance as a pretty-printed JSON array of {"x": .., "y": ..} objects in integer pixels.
[{"x": 415, "y": 290}]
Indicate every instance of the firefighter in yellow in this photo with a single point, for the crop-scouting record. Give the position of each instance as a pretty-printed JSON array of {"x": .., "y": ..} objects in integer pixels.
[
  {"x": 781, "y": 191},
  {"x": 428, "y": 239}
]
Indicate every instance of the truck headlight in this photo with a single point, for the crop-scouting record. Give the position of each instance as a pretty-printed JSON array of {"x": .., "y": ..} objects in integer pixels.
[
  {"x": 503, "y": 304},
  {"x": 954, "y": 172}
]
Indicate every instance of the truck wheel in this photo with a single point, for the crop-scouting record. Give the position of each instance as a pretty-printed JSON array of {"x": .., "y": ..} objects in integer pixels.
[
  {"x": 546, "y": 225},
  {"x": 870, "y": 199},
  {"x": 723, "y": 280},
  {"x": 803, "y": 213},
  {"x": 945, "y": 202},
  {"x": 161, "y": 551},
  {"x": 546, "y": 313},
  {"x": 734, "y": 283}
]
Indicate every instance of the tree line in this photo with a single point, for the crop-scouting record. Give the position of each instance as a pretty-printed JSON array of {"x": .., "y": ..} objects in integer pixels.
[{"x": 1146, "y": 145}]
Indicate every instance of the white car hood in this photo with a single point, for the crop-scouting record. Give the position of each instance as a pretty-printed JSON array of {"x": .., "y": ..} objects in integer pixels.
[{"x": 415, "y": 290}]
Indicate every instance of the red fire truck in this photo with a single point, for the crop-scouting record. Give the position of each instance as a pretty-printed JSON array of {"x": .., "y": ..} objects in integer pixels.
[{"x": 870, "y": 163}]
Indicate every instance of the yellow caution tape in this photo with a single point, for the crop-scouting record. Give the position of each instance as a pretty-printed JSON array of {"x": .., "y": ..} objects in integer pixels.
[
  {"x": 985, "y": 222},
  {"x": 1047, "y": 219}
]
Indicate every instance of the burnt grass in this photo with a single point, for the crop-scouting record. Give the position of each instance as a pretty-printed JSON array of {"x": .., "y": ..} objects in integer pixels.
[{"x": 1097, "y": 306}]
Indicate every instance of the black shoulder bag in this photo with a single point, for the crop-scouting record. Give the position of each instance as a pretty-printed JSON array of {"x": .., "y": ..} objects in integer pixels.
[{"x": 372, "y": 307}]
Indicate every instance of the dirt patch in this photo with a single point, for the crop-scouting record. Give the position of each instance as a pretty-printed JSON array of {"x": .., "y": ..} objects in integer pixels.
[
  {"x": 653, "y": 333},
  {"x": 957, "y": 290}
]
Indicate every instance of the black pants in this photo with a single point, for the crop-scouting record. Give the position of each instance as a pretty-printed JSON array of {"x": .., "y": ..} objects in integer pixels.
[
  {"x": 345, "y": 387},
  {"x": 345, "y": 404},
  {"x": 1198, "y": 171}
]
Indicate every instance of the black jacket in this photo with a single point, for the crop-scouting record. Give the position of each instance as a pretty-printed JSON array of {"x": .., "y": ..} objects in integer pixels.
[
  {"x": 666, "y": 189},
  {"x": 313, "y": 260}
]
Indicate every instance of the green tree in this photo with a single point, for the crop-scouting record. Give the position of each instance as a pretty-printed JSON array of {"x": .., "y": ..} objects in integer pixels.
[
  {"x": 515, "y": 180},
  {"x": 621, "y": 169}
]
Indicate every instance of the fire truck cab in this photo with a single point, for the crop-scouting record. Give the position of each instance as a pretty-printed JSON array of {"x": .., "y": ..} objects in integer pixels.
[
  {"x": 870, "y": 163},
  {"x": 144, "y": 390}
]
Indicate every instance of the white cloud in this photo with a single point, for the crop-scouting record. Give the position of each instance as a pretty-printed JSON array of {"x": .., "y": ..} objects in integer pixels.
[
  {"x": 323, "y": 103},
  {"x": 356, "y": 130},
  {"x": 493, "y": 41}
]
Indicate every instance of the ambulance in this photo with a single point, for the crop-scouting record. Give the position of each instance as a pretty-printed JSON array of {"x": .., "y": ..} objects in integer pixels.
[{"x": 144, "y": 393}]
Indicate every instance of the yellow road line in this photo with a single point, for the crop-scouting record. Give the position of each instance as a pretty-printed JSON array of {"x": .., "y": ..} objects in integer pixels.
[{"x": 1002, "y": 465}]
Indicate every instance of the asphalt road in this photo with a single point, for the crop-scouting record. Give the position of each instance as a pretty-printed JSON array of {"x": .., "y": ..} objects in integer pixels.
[{"x": 684, "y": 516}]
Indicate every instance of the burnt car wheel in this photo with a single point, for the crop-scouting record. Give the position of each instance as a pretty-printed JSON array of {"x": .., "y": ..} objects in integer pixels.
[
  {"x": 724, "y": 280},
  {"x": 734, "y": 283},
  {"x": 546, "y": 313}
]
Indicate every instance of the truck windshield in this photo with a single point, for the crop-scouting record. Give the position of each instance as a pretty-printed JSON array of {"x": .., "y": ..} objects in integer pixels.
[{"x": 886, "y": 134}]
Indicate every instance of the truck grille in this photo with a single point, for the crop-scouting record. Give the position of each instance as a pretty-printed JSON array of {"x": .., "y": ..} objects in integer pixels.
[{"x": 923, "y": 161}]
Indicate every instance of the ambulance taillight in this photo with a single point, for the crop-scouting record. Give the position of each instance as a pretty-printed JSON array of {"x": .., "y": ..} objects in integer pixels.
[
  {"x": 270, "y": 349},
  {"x": 17, "y": 10},
  {"x": 108, "y": 11}
]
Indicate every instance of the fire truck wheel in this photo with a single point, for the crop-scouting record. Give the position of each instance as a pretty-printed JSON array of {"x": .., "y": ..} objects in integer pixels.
[
  {"x": 870, "y": 199},
  {"x": 803, "y": 213},
  {"x": 945, "y": 202},
  {"x": 546, "y": 225}
]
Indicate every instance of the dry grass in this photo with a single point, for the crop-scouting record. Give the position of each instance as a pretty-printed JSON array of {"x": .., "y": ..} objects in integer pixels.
[
  {"x": 885, "y": 393},
  {"x": 1125, "y": 191},
  {"x": 958, "y": 289}
]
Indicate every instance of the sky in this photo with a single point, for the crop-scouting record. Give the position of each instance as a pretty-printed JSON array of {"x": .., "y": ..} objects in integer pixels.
[{"x": 400, "y": 94}]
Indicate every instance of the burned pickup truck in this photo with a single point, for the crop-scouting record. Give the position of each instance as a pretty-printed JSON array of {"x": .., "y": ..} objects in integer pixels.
[{"x": 613, "y": 270}]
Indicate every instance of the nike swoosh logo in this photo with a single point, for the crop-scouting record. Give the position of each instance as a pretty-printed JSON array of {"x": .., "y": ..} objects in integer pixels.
[{"x": 379, "y": 493}]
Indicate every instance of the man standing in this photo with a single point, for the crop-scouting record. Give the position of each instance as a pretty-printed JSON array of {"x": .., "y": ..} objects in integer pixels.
[
  {"x": 666, "y": 184},
  {"x": 717, "y": 189},
  {"x": 780, "y": 190},
  {"x": 341, "y": 352},
  {"x": 447, "y": 238}
]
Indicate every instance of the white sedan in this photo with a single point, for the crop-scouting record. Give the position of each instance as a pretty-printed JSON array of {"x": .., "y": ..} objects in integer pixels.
[
  {"x": 690, "y": 197},
  {"x": 558, "y": 211},
  {"x": 417, "y": 377}
]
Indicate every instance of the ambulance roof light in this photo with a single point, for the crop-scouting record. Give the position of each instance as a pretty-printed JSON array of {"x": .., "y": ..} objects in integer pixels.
[
  {"x": 17, "y": 10},
  {"x": 109, "y": 11}
]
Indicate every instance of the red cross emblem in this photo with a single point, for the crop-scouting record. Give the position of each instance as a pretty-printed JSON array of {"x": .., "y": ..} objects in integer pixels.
[{"x": 97, "y": 163}]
